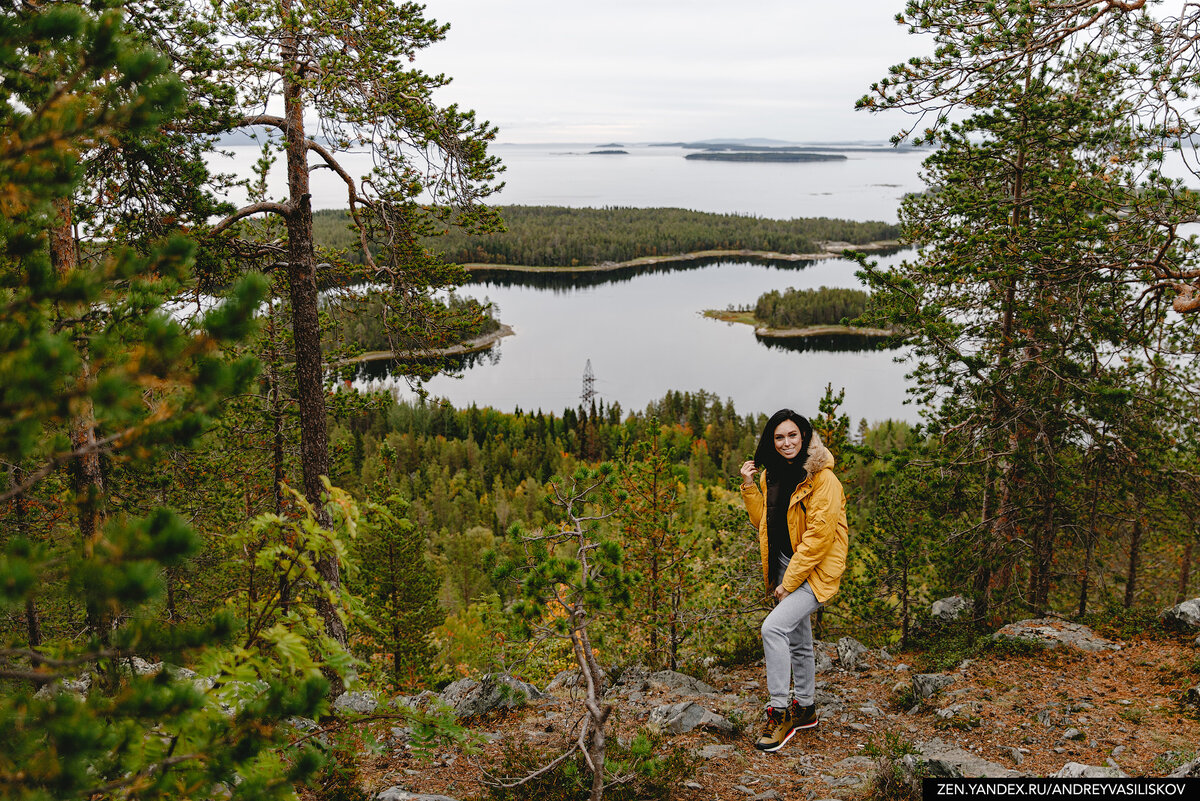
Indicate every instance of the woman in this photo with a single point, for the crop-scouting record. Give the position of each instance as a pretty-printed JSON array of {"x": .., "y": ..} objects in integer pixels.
[{"x": 800, "y": 511}]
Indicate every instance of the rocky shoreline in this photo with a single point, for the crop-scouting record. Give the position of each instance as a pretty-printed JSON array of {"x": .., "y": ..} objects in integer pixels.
[
  {"x": 480, "y": 343},
  {"x": 829, "y": 250}
]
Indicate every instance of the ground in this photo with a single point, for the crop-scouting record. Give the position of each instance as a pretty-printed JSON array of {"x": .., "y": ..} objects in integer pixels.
[{"x": 1017, "y": 711}]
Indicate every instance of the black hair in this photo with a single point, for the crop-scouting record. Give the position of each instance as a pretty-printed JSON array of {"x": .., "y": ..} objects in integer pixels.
[{"x": 767, "y": 457}]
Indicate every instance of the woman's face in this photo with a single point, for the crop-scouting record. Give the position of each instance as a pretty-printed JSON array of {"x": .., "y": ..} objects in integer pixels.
[{"x": 787, "y": 440}]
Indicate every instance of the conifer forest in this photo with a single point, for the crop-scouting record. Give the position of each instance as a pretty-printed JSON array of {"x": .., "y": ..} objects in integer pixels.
[{"x": 211, "y": 544}]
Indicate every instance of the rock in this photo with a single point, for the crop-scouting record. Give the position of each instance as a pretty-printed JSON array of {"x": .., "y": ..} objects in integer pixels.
[
  {"x": 1189, "y": 770},
  {"x": 631, "y": 677},
  {"x": 686, "y": 716},
  {"x": 1076, "y": 770},
  {"x": 769, "y": 795},
  {"x": 680, "y": 683},
  {"x": 400, "y": 794},
  {"x": 79, "y": 686},
  {"x": 415, "y": 702},
  {"x": 950, "y": 609},
  {"x": 1184, "y": 616},
  {"x": 1072, "y": 734},
  {"x": 950, "y": 762},
  {"x": 1017, "y": 756},
  {"x": 573, "y": 678},
  {"x": 469, "y": 698},
  {"x": 1052, "y": 632},
  {"x": 714, "y": 751},
  {"x": 849, "y": 650},
  {"x": 361, "y": 703},
  {"x": 925, "y": 685},
  {"x": 141, "y": 667},
  {"x": 824, "y": 663},
  {"x": 1191, "y": 697}
]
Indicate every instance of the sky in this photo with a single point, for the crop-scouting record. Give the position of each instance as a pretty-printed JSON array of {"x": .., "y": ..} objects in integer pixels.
[{"x": 663, "y": 70}]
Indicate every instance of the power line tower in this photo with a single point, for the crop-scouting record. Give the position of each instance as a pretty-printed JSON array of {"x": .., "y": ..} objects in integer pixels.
[{"x": 589, "y": 385}]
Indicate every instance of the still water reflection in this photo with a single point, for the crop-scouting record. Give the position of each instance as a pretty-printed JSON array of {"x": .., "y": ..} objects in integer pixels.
[{"x": 644, "y": 335}]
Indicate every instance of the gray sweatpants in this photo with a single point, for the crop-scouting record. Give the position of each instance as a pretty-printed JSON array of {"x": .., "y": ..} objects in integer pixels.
[{"x": 788, "y": 648}]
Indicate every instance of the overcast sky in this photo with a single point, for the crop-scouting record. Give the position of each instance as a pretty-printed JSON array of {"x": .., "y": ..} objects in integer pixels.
[{"x": 657, "y": 70}]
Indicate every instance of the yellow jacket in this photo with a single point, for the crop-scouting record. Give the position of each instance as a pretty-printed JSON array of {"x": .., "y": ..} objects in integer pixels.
[{"x": 817, "y": 527}]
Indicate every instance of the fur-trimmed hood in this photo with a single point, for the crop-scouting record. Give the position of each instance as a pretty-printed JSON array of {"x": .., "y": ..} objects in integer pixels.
[{"x": 818, "y": 457}]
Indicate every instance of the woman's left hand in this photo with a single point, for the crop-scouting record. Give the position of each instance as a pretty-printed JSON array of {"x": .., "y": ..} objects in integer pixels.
[{"x": 780, "y": 593}]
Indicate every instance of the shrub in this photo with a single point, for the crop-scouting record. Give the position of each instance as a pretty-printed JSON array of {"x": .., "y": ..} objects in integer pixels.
[
  {"x": 893, "y": 780},
  {"x": 651, "y": 777}
]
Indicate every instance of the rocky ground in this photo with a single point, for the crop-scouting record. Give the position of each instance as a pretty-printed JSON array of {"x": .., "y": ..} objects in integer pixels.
[{"x": 1085, "y": 705}]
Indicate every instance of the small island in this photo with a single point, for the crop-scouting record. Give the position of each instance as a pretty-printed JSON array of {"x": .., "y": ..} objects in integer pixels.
[
  {"x": 608, "y": 153},
  {"x": 796, "y": 313}
]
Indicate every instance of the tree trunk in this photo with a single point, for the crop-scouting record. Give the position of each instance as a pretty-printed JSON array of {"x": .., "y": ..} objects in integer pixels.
[
  {"x": 1185, "y": 572},
  {"x": 1092, "y": 536},
  {"x": 1135, "y": 546},
  {"x": 306, "y": 328},
  {"x": 87, "y": 480}
]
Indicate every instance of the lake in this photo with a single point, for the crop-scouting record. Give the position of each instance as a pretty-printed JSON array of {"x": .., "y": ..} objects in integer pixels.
[{"x": 643, "y": 332}]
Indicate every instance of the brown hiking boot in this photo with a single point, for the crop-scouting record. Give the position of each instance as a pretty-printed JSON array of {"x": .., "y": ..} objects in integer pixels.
[
  {"x": 777, "y": 730},
  {"x": 803, "y": 717}
]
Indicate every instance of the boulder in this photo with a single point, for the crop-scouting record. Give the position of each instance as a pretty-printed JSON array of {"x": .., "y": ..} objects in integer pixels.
[
  {"x": 681, "y": 683},
  {"x": 79, "y": 686},
  {"x": 925, "y": 685},
  {"x": 1053, "y": 632},
  {"x": 469, "y": 698},
  {"x": 140, "y": 667},
  {"x": 947, "y": 610},
  {"x": 1077, "y": 770},
  {"x": 688, "y": 715},
  {"x": 1188, "y": 770},
  {"x": 572, "y": 678},
  {"x": 943, "y": 761},
  {"x": 1184, "y": 616},
  {"x": 849, "y": 652},
  {"x": 361, "y": 703},
  {"x": 400, "y": 794}
]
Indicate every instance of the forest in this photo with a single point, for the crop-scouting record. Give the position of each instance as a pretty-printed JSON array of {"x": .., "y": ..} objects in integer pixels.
[
  {"x": 208, "y": 541},
  {"x": 556, "y": 236},
  {"x": 798, "y": 308}
]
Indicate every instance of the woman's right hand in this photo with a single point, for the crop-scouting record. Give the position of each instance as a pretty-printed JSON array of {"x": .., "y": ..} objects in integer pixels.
[{"x": 748, "y": 471}]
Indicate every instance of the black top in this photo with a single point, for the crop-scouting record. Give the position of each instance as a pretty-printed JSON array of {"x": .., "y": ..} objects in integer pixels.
[{"x": 780, "y": 487}]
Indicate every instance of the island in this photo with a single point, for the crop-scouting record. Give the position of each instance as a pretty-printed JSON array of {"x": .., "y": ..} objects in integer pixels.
[
  {"x": 796, "y": 313},
  {"x": 765, "y": 332},
  {"x": 765, "y": 155}
]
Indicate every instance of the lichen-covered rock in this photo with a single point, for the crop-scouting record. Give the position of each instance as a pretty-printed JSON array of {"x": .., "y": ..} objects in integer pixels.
[
  {"x": 947, "y": 610},
  {"x": 361, "y": 703},
  {"x": 688, "y": 715},
  {"x": 946, "y": 761},
  {"x": 573, "y": 678},
  {"x": 469, "y": 698},
  {"x": 1188, "y": 770},
  {"x": 1077, "y": 770},
  {"x": 925, "y": 685},
  {"x": 1052, "y": 633},
  {"x": 79, "y": 686},
  {"x": 850, "y": 652},
  {"x": 671, "y": 681},
  {"x": 1184, "y": 616},
  {"x": 400, "y": 794}
]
